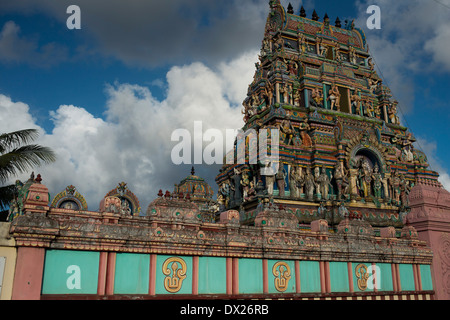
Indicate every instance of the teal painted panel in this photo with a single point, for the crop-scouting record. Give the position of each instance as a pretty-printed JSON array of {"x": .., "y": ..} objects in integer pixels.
[
  {"x": 386, "y": 281},
  {"x": 339, "y": 277},
  {"x": 290, "y": 287},
  {"x": 309, "y": 276},
  {"x": 186, "y": 284},
  {"x": 70, "y": 272},
  {"x": 425, "y": 275},
  {"x": 406, "y": 277},
  {"x": 355, "y": 278},
  {"x": 250, "y": 276},
  {"x": 212, "y": 275},
  {"x": 132, "y": 273}
]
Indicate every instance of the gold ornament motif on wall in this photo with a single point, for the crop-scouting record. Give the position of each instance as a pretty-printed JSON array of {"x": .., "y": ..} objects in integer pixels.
[
  {"x": 175, "y": 271},
  {"x": 282, "y": 274},
  {"x": 362, "y": 275}
]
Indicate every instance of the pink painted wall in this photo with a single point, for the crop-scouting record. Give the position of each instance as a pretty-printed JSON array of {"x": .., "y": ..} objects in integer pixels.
[
  {"x": 430, "y": 215},
  {"x": 28, "y": 276}
]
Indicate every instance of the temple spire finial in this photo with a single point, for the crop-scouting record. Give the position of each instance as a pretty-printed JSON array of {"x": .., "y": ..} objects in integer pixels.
[
  {"x": 290, "y": 9},
  {"x": 315, "y": 16},
  {"x": 193, "y": 171},
  {"x": 302, "y": 12}
]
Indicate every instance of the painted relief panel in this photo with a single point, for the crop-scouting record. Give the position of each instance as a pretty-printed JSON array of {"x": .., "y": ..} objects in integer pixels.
[
  {"x": 281, "y": 276},
  {"x": 173, "y": 275}
]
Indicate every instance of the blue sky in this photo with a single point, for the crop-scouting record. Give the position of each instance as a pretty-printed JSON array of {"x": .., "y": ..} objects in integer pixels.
[{"x": 107, "y": 97}]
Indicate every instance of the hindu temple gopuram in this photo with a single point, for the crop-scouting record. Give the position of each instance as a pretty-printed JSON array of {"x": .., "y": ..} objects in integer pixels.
[{"x": 349, "y": 209}]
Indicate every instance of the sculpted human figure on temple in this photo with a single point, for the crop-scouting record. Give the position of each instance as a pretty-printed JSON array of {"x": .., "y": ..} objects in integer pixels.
[
  {"x": 394, "y": 186},
  {"x": 377, "y": 182},
  {"x": 335, "y": 98},
  {"x": 340, "y": 176},
  {"x": 324, "y": 183},
  {"x": 294, "y": 180},
  {"x": 356, "y": 101},
  {"x": 317, "y": 98},
  {"x": 309, "y": 184},
  {"x": 287, "y": 128},
  {"x": 281, "y": 179},
  {"x": 364, "y": 178},
  {"x": 392, "y": 113}
]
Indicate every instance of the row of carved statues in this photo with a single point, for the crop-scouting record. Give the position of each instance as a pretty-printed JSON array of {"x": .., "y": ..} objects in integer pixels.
[
  {"x": 285, "y": 93},
  {"x": 363, "y": 181}
]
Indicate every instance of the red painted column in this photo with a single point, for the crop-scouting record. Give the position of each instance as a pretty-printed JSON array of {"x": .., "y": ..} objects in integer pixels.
[
  {"x": 28, "y": 275},
  {"x": 235, "y": 276},
  {"x": 195, "y": 275},
  {"x": 103, "y": 263},
  {"x": 297, "y": 277},
  {"x": 350, "y": 277},
  {"x": 417, "y": 278},
  {"x": 229, "y": 276},
  {"x": 265, "y": 276},
  {"x": 152, "y": 277},
  {"x": 327, "y": 277},
  {"x": 110, "y": 273},
  {"x": 322, "y": 277}
]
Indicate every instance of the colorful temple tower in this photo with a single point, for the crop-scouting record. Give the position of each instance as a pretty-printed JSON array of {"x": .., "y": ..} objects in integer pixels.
[
  {"x": 342, "y": 150},
  {"x": 345, "y": 208}
]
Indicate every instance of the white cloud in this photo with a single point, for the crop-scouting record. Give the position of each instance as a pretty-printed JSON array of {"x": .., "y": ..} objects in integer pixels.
[
  {"x": 429, "y": 148},
  {"x": 133, "y": 142}
]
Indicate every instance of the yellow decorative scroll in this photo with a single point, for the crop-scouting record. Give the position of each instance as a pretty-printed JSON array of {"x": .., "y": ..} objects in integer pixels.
[
  {"x": 175, "y": 274},
  {"x": 362, "y": 275},
  {"x": 282, "y": 274}
]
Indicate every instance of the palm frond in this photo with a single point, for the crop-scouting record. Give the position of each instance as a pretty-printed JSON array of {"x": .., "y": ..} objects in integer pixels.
[
  {"x": 7, "y": 193},
  {"x": 23, "y": 159},
  {"x": 17, "y": 138}
]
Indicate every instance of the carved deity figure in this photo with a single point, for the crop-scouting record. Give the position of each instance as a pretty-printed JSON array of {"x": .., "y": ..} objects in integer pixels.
[
  {"x": 394, "y": 186},
  {"x": 236, "y": 186},
  {"x": 125, "y": 208},
  {"x": 364, "y": 178},
  {"x": 294, "y": 180},
  {"x": 245, "y": 183},
  {"x": 324, "y": 183},
  {"x": 281, "y": 179},
  {"x": 377, "y": 182},
  {"x": 405, "y": 189},
  {"x": 309, "y": 184},
  {"x": 268, "y": 93},
  {"x": 224, "y": 191},
  {"x": 270, "y": 178},
  {"x": 287, "y": 128},
  {"x": 392, "y": 113},
  {"x": 335, "y": 98},
  {"x": 301, "y": 43},
  {"x": 369, "y": 110},
  {"x": 317, "y": 98},
  {"x": 297, "y": 98},
  {"x": 340, "y": 176},
  {"x": 356, "y": 101}
]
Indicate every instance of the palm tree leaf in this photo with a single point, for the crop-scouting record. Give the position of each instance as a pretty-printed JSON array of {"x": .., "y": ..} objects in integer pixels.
[
  {"x": 17, "y": 138},
  {"x": 7, "y": 193},
  {"x": 23, "y": 159}
]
